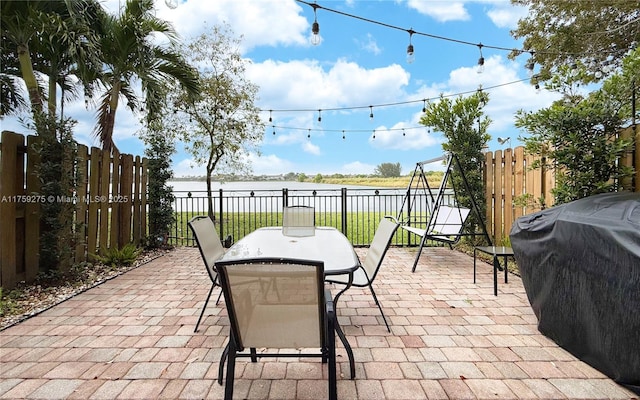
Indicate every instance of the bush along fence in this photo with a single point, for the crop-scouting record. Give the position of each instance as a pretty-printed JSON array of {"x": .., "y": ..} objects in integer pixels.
[{"x": 107, "y": 205}]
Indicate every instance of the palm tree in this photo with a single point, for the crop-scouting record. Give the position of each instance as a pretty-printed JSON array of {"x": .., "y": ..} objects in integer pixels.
[
  {"x": 45, "y": 38},
  {"x": 130, "y": 54}
]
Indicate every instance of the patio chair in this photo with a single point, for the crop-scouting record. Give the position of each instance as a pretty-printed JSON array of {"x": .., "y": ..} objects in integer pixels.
[
  {"x": 298, "y": 220},
  {"x": 211, "y": 250},
  {"x": 262, "y": 318},
  {"x": 365, "y": 275}
]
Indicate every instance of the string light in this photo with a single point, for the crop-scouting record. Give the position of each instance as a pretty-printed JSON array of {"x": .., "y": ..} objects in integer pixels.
[
  {"x": 309, "y": 134},
  {"x": 371, "y": 113},
  {"x": 270, "y": 119},
  {"x": 319, "y": 117},
  {"x": 315, "y": 27},
  {"x": 410, "y": 53},
  {"x": 374, "y": 133},
  {"x": 403, "y": 133},
  {"x": 424, "y": 106},
  {"x": 343, "y": 136},
  {"x": 274, "y": 129},
  {"x": 480, "y": 60},
  {"x": 530, "y": 65}
]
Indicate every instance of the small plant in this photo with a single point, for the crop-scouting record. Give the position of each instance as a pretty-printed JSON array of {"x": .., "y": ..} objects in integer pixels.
[
  {"x": 8, "y": 302},
  {"x": 115, "y": 257}
]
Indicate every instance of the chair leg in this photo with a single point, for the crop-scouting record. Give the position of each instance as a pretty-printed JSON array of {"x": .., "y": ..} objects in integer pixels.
[
  {"x": 379, "y": 307},
  {"x": 415, "y": 262},
  {"x": 204, "y": 307},
  {"x": 254, "y": 354},
  {"x": 219, "y": 297},
  {"x": 231, "y": 366},
  {"x": 223, "y": 359},
  {"x": 345, "y": 342},
  {"x": 331, "y": 347}
]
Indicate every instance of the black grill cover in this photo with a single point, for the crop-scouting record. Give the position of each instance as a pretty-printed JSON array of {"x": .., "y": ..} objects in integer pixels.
[{"x": 580, "y": 266}]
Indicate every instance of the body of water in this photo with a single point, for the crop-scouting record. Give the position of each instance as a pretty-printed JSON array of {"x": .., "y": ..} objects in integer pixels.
[{"x": 199, "y": 188}]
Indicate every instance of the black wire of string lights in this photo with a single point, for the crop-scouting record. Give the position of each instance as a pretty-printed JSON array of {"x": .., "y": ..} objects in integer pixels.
[
  {"x": 371, "y": 107},
  {"x": 411, "y": 32}
]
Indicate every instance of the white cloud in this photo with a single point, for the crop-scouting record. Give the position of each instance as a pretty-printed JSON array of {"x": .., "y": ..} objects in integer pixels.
[
  {"x": 269, "y": 164},
  {"x": 261, "y": 23},
  {"x": 187, "y": 167},
  {"x": 440, "y": 10},
  {"x": 507, "y": 15},
  {"x": 357, "y": 167},
  {"x": 306, "y": 83},
  {"x": 369, "y": 45},
  {"x": 309, "y": 147}
]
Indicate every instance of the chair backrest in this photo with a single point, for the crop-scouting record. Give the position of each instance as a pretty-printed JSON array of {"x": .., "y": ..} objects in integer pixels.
[
  {"x": 298, "y": 220},
  {"x": 378, "y": 247},
  {"x": 449, "y": 220},
  {"x": 208, "y": 241},
  {"x": 274, "y": 303}
]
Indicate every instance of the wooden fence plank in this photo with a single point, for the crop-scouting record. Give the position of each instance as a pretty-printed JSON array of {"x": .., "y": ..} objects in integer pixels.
[
  {"x": 518, "y": 179},
  {"x": 136, "y": 201},
  {"x": 94, "y": 189},
  {"x": 123, "y": 201},
  {"x": 81, "y": 204},
  {"x": 115, "y": 207},
  {"x": 488, "y": 189},
  {"x": 103, "y": 200},
  {"x": 498, "y": 202},
  {"x": 8, "y": 200},
  {"x": 508, "y": 192},
  {"x": 143, "y": 197},
  {"x": 32, "y": 212}
]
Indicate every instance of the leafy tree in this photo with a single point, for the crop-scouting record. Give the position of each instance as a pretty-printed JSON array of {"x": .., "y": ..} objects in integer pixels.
[
  {"x": 463, "y": 124},
  {"x": 578, "y": 137},
  {"x": 222, "y": 125},
  {"x": 159, "y": 149},
  {"x": 302, "y": 177},
  {"x": 317, "y": 178},
  {"x": 130, "y": 54},
  {"x": 597, "y": 33},
  {"x": 388, "y": 170}
]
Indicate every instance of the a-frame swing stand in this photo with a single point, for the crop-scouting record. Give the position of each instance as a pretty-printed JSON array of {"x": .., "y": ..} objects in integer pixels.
[{"x": 441, "y": 219}]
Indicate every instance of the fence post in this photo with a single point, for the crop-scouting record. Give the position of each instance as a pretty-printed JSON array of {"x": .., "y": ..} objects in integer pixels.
[
  {"x": 8, "y": 190},
  {"x": 221, "y": 224},
  {"x": 343, "y": 210}
]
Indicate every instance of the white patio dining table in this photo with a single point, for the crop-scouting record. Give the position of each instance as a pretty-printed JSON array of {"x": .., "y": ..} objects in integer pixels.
[{"x": 325, "y": 244}]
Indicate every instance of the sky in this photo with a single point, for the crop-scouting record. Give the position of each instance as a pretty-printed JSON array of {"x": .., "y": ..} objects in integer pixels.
[{"x": 359, "y": 67}]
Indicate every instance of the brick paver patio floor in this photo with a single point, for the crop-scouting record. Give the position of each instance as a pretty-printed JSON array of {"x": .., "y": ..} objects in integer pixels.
[{"x": 132, "y": 338}]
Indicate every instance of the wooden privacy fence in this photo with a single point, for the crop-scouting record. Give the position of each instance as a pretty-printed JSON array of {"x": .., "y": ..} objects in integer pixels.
[
  {"x": 109, "y": 205},
  {"x": 508, "y": 177}
]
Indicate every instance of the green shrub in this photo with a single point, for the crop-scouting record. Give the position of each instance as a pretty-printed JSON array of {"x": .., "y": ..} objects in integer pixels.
[{"x": 115, "y": 257}]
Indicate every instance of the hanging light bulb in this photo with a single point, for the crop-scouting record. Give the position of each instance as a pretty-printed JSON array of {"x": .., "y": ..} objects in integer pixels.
[
  {"x": 315, "y": 27},
  {"x": 530, "y": 66},
  {"x": 480, "y": 60},
  {"x": 309, "y": 134},
  {"x": 424, "y": 106},
  {"x": 270, "y": 119},
  {"x": 371, "y": 113},
  {"x": 403, "y": 133},
  {"x": 319, "y": 117},
  {"x": 274, "y": 129},
  {"x": 374, "y": 133},
  {"x": 410, "y": 53},
  {"x": 343, "y": 136}
]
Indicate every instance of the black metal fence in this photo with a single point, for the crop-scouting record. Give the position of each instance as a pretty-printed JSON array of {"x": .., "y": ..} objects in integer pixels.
[{"x": 355, "y": 212}]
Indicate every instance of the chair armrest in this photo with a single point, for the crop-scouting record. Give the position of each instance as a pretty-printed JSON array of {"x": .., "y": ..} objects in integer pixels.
[
  {"x": 329, "y": 305},
  {"x": 394, "y": 219}
]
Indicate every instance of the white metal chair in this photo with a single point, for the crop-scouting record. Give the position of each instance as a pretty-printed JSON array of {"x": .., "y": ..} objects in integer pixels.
[
  {"x": 298, "y": 220},
  {"x": 297, "y": 316},
  {"x": 211, "y": 250},
  {"x": 365, "y": 275}
]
